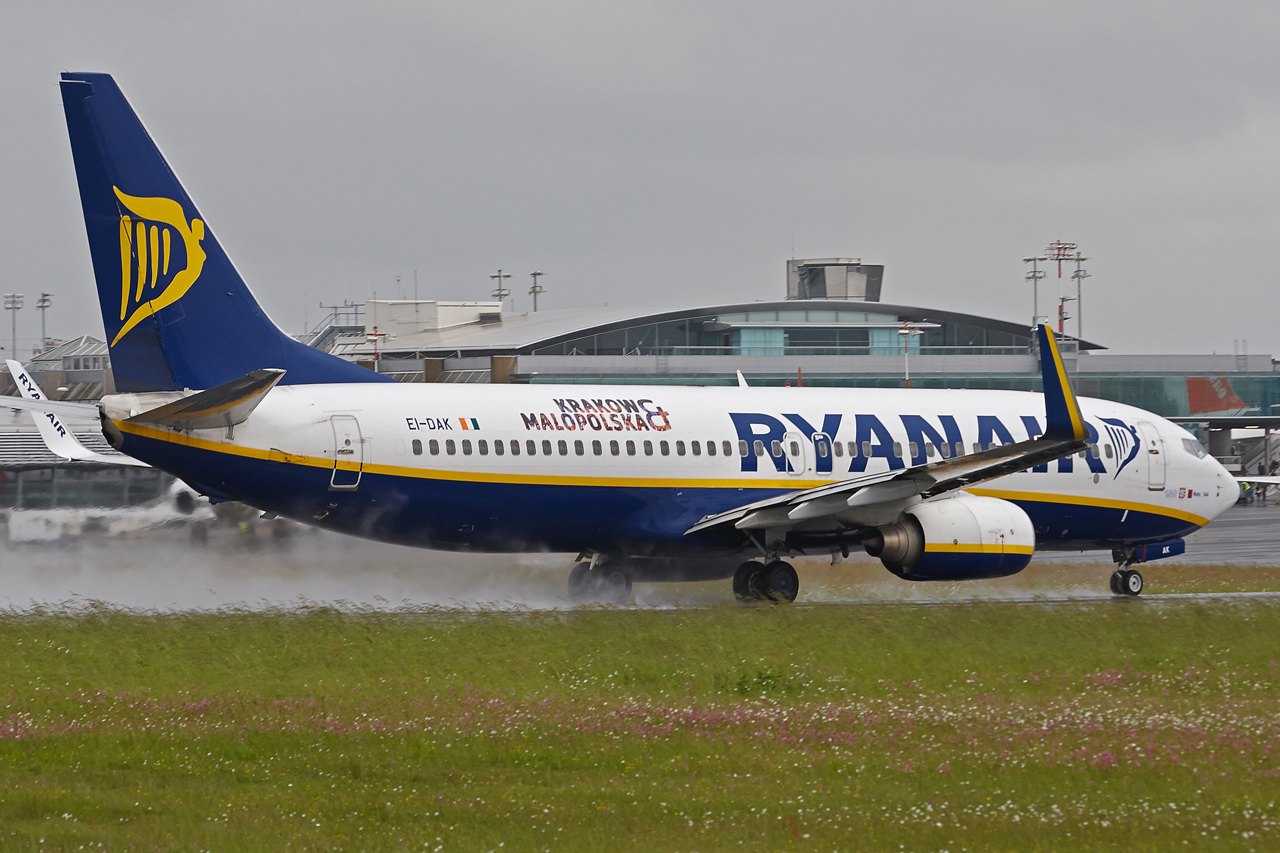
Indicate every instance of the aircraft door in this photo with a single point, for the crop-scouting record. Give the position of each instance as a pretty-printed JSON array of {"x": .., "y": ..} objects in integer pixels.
[
  {"x": 348, "y": 453},
  {"x": 793, "y": 447},
  {"x": 1153, "y": 449}
]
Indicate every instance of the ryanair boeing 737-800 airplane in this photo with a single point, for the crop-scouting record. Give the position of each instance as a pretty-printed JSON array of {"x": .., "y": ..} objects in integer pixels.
[{"x": 643, "y": 483}]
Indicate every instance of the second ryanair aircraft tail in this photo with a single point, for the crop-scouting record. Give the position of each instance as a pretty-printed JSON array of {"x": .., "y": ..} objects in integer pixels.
[{"x": 176, "y": 312}]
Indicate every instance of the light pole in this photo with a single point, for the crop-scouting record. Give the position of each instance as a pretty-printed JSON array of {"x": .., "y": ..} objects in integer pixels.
[
  {"x": 500, "y": 291},
  {"x": 13, "y": 302},
  {"x": 1034, "y": 277},
  {"x": 1079, "y": 275},
  {"x": 45, "y": 301},
  {"x": 908, "y": 332},
  {"x": 536, "y": 289}
]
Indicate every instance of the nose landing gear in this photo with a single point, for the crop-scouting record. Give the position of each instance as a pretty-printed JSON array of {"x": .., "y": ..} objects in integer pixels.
[
  {"x": 775, "y": 580},
  {"x": 1124, "y": 580}
]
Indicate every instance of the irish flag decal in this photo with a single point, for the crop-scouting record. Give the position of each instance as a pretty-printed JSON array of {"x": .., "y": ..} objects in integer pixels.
[{"x": 469, "y": 423}]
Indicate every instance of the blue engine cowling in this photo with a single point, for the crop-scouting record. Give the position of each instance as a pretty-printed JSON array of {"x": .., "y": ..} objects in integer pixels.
[{"x": 962, "y": 537}]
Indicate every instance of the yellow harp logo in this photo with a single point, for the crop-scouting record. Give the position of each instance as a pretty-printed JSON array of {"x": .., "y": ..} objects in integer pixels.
[{"x": 146, "y": 245}]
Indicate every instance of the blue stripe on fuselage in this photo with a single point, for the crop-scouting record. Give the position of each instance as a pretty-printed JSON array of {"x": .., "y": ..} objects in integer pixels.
[{"x": 513, "y": 517}]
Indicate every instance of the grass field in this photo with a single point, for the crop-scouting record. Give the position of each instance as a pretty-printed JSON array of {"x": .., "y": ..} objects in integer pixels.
[{"x": 1108, "y": 725}]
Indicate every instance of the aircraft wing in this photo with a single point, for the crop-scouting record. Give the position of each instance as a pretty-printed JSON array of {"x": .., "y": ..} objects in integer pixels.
[
  {"x": 60, "y": 440},
  {"x": 848, "y": 500}
]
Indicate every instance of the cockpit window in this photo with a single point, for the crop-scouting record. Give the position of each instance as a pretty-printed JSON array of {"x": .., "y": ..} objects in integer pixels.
[{"x": 1194, "y": 448}]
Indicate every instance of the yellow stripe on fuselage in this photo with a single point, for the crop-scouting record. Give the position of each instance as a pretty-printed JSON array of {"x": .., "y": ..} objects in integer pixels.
[
  {"x": 1079, "y": 500},
  {"x": 788, "y": 483}
]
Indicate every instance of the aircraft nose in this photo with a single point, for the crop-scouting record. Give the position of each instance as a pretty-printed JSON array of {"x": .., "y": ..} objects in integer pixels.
[{"x": 1227, "y": 489}]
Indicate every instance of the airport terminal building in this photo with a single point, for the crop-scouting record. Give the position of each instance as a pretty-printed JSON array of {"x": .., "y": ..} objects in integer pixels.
[{"x": 830, "y": 329}]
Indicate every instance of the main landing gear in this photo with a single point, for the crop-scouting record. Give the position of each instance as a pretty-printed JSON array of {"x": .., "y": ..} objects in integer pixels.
[
  {"x": 774, "y": 580},
  {"x": 593, "y": 582}
]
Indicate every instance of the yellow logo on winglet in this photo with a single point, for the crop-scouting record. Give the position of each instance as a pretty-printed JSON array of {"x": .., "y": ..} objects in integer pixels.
[{"x": 145, "y": 247}]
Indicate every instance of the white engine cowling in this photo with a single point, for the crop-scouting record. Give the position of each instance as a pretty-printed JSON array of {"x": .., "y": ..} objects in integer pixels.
[{"x": 962, "y": 537}]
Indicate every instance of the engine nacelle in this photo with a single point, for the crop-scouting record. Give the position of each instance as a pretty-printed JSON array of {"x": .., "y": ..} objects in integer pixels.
[{"x": 957, "y": 538}]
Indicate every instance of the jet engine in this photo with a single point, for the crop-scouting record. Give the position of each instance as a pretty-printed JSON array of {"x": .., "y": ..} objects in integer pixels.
[{"x": 962, "y": 537}]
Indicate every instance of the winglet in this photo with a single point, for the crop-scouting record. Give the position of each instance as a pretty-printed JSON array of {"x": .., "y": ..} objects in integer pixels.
[{"x": 1062, "y": 413}]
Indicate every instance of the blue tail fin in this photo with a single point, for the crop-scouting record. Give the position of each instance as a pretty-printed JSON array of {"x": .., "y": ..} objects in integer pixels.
[{"x": 176, "y": 312}]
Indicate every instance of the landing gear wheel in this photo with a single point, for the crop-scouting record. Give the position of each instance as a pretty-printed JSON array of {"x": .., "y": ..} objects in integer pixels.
[
  {"x": 747, "y": 581},
  {"x": 1132, "y": 582},
  {"x": 615, "y": 587},
  {"x": 580, "y": 582},
  {"x": 1117, "y": 582},
  {"x": 781, "y": 582}
]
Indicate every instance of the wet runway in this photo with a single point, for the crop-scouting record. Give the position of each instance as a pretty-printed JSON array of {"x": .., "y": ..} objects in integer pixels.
[{"x": 164, "y": 569}]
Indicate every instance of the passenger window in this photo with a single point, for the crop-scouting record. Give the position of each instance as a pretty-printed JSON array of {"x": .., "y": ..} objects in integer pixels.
[
  {"x": 838, "y": 448},
  {"x": 466, "y": 447},
  {"x": 664, "y": 448},
  {"x": 776, "y": 448},
  {"x": 499, "y": 448},
  {"x": 483, "y": 447},
  {"x": 578, "y": 447},
  {"x": 596, "y": 448},
  {"x": 821, "y": 445},
  {"x": 546, "y": 447},
  {"x": 915, "y": 449},
  {"x": 759, "y": 447},
  {"x": 742, "y": 448},
  {"x": 515, "y": 447},
  {"x": 613, "y": 448},
  {"x": 795, "y": 450},
  {"x": 866, "y": 449},
  {"x": 434, "y": 447},
  {"x": 897, "y": 449},
  {"x": 929, "y": 449},
  {"x": 449, "y": 447},
  {"x": 563, "y": 447},
  {"x": 711, "y": 448},
  {"x": 977, "y": 448},
  {"x": 417, "y": 447},
  {"x": 1107, "y": 449},
  {"x": 648, "y": 448},
  {"x": 696, "y": 448},
  {"x": 679, "y": 448},
  {"x": 631, "y": 448},
  {"x": 531, "y": 447}
]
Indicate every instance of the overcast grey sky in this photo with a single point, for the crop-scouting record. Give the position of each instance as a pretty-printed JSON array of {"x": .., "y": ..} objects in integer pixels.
[{"x": 666, "y": 153}]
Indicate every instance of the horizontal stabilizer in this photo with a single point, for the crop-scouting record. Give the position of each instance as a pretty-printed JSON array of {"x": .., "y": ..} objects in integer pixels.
[{"x": 224, "y": 406}]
